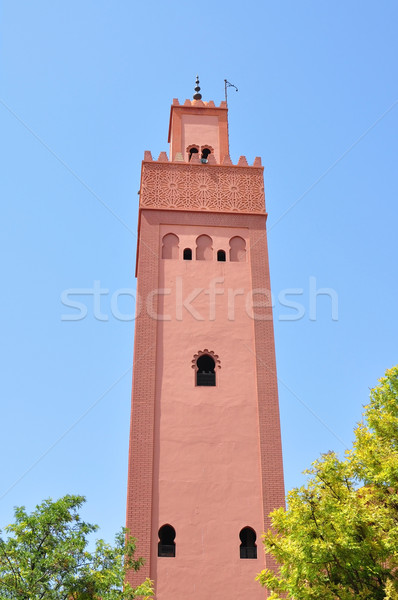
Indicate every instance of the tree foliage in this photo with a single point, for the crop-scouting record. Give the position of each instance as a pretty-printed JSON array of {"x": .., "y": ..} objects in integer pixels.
[
  {"x": 46, "y": 556},
  {"x": 338, "y": 537}
]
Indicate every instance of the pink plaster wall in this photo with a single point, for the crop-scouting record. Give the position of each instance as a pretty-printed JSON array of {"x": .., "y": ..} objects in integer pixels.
[
  {"x": 207, "y": 447},
  {"x": 206, "y": 460},
  {"x": 201, "y": 130},
  {"x": 214, "y": 460}
]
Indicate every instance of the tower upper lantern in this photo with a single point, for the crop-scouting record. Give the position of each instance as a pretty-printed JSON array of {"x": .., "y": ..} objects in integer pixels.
[{"x": 198, "y": 127}]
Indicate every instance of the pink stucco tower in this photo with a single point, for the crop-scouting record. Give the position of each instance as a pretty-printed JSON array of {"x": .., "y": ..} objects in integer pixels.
[{"x": 205, "y": 464}]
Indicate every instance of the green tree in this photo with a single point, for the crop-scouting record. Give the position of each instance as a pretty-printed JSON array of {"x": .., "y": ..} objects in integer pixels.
[
  {"x": 46, "y": 556},
  {"x": 338, "y": 537}
]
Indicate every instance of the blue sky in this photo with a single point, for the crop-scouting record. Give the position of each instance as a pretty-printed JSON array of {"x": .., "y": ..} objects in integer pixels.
[{"x": 86, "y": 87}]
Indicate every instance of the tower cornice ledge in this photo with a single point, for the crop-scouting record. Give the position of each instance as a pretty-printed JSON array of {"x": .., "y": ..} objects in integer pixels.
[{"x": 202, "y": 187}]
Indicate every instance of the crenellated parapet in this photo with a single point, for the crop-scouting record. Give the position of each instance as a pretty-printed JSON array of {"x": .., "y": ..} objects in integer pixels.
[
  {"x": 242, "y": 162},
  {"x": 198, "y": 186},
  {"x": 199, "y": 103}
]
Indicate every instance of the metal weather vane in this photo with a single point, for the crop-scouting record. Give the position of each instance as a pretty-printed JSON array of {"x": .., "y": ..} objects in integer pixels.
[{"x": 227, "y": 84}]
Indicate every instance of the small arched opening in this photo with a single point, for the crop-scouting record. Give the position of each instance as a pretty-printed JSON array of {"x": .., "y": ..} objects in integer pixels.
[
  {"x": 248, "y": 548},
  {"x": 204, "y": 250},
  {"x": 191, "y": 151},
  {"x": 187, "y": 255},
  {"x": 166, "y": 544},
  {"x": 205, "y": 371},
  {"x": 170, "y": 246},
  {"x": 221, "y": 257},
  {"x": 205, "y": 154},
  {"x": 237, "y": 249}
]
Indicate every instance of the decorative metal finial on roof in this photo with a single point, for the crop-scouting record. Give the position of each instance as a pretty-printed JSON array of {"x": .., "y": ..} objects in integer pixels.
[{"x": 197, "y": 95}]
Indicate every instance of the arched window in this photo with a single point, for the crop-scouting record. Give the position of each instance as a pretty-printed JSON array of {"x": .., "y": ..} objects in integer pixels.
[
  {"x": 205, "y": 154},
  {"x": 248, "y": 548},
  {"x": 204, "y": 250},
  {"x": 221, "y": 256},
  {"x": 187, "y": 254},
  {"x": 237, "y": 249},
  {"x": 192, "y": 150},
  {"x": 170, "y": 246},
  {"x": 206, "y": 370},
  {"x": 205, "y": 151},
  {"x": 166, "y": 545}
]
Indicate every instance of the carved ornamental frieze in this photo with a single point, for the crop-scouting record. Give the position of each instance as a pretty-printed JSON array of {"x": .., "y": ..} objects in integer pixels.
[{"x": 202, "y": 187}]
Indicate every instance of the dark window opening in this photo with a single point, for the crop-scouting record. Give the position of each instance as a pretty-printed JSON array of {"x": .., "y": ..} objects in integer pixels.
[
  {"x": 248, "y": 548},
  {"x": 206, "y": 374},
  {"x": 221, "y": 256},
  {"x": 166, "y": 545},
  {"x": 205, "y": 154},
  {"x": 187, "y": 254},
  {"x": 192, "y": 151}
]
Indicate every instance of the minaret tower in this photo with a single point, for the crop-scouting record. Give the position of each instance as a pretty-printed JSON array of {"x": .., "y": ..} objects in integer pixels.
[{"x": 205, "y": 464}]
